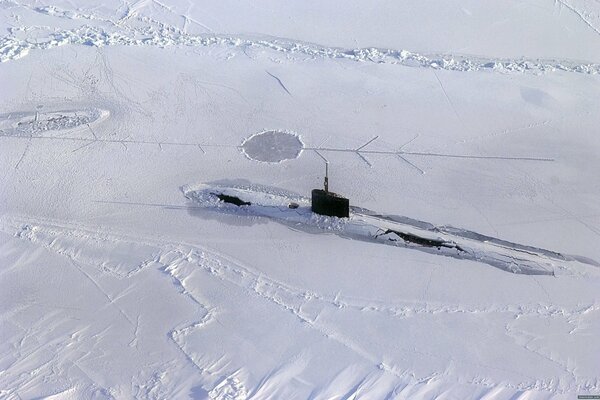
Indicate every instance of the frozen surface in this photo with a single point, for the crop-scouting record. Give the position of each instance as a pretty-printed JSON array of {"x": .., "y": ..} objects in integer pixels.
[
  {"x": 477, "y": 119},
  {"x": 272, "y": 146},
  {"x": 34, "y": 123}
]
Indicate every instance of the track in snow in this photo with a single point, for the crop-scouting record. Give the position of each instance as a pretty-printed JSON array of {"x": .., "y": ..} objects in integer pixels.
[
  {"x": 189, "y": 266},
  {"x": 18, "y": 44}
]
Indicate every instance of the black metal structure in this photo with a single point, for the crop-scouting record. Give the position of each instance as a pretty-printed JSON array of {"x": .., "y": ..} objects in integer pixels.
[{"x": 328, "y": 203}]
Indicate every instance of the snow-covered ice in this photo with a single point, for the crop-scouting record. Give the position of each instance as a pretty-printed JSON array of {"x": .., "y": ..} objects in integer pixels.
[
  {"x": 272, "y": 146},
  {"x": 467, "y": 126}
]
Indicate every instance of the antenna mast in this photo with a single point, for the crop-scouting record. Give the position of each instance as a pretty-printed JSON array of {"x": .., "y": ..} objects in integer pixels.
[
  {"x": 324, "y": 202},
  {"x": 326, "y": 181}
]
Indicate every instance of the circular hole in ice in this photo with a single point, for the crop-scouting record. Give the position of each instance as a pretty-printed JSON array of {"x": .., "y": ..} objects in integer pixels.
[{"x": 272, "y": 146}]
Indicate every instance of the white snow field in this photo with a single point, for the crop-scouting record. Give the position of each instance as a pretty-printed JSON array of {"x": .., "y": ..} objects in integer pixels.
[{"x": 470, "y": 124}]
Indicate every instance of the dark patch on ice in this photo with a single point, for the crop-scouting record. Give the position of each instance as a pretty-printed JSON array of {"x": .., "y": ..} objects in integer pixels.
[
  {"x": 421, "y": 241},
  {"x": 230, "y": 215},
  {"x": 500, "y": 242},
  {"x": 232, "y": 199},
  {"x": 272, "y": 146},
  {"x": 464, "y": 233},
  {"x": 535, "y": 96}
]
